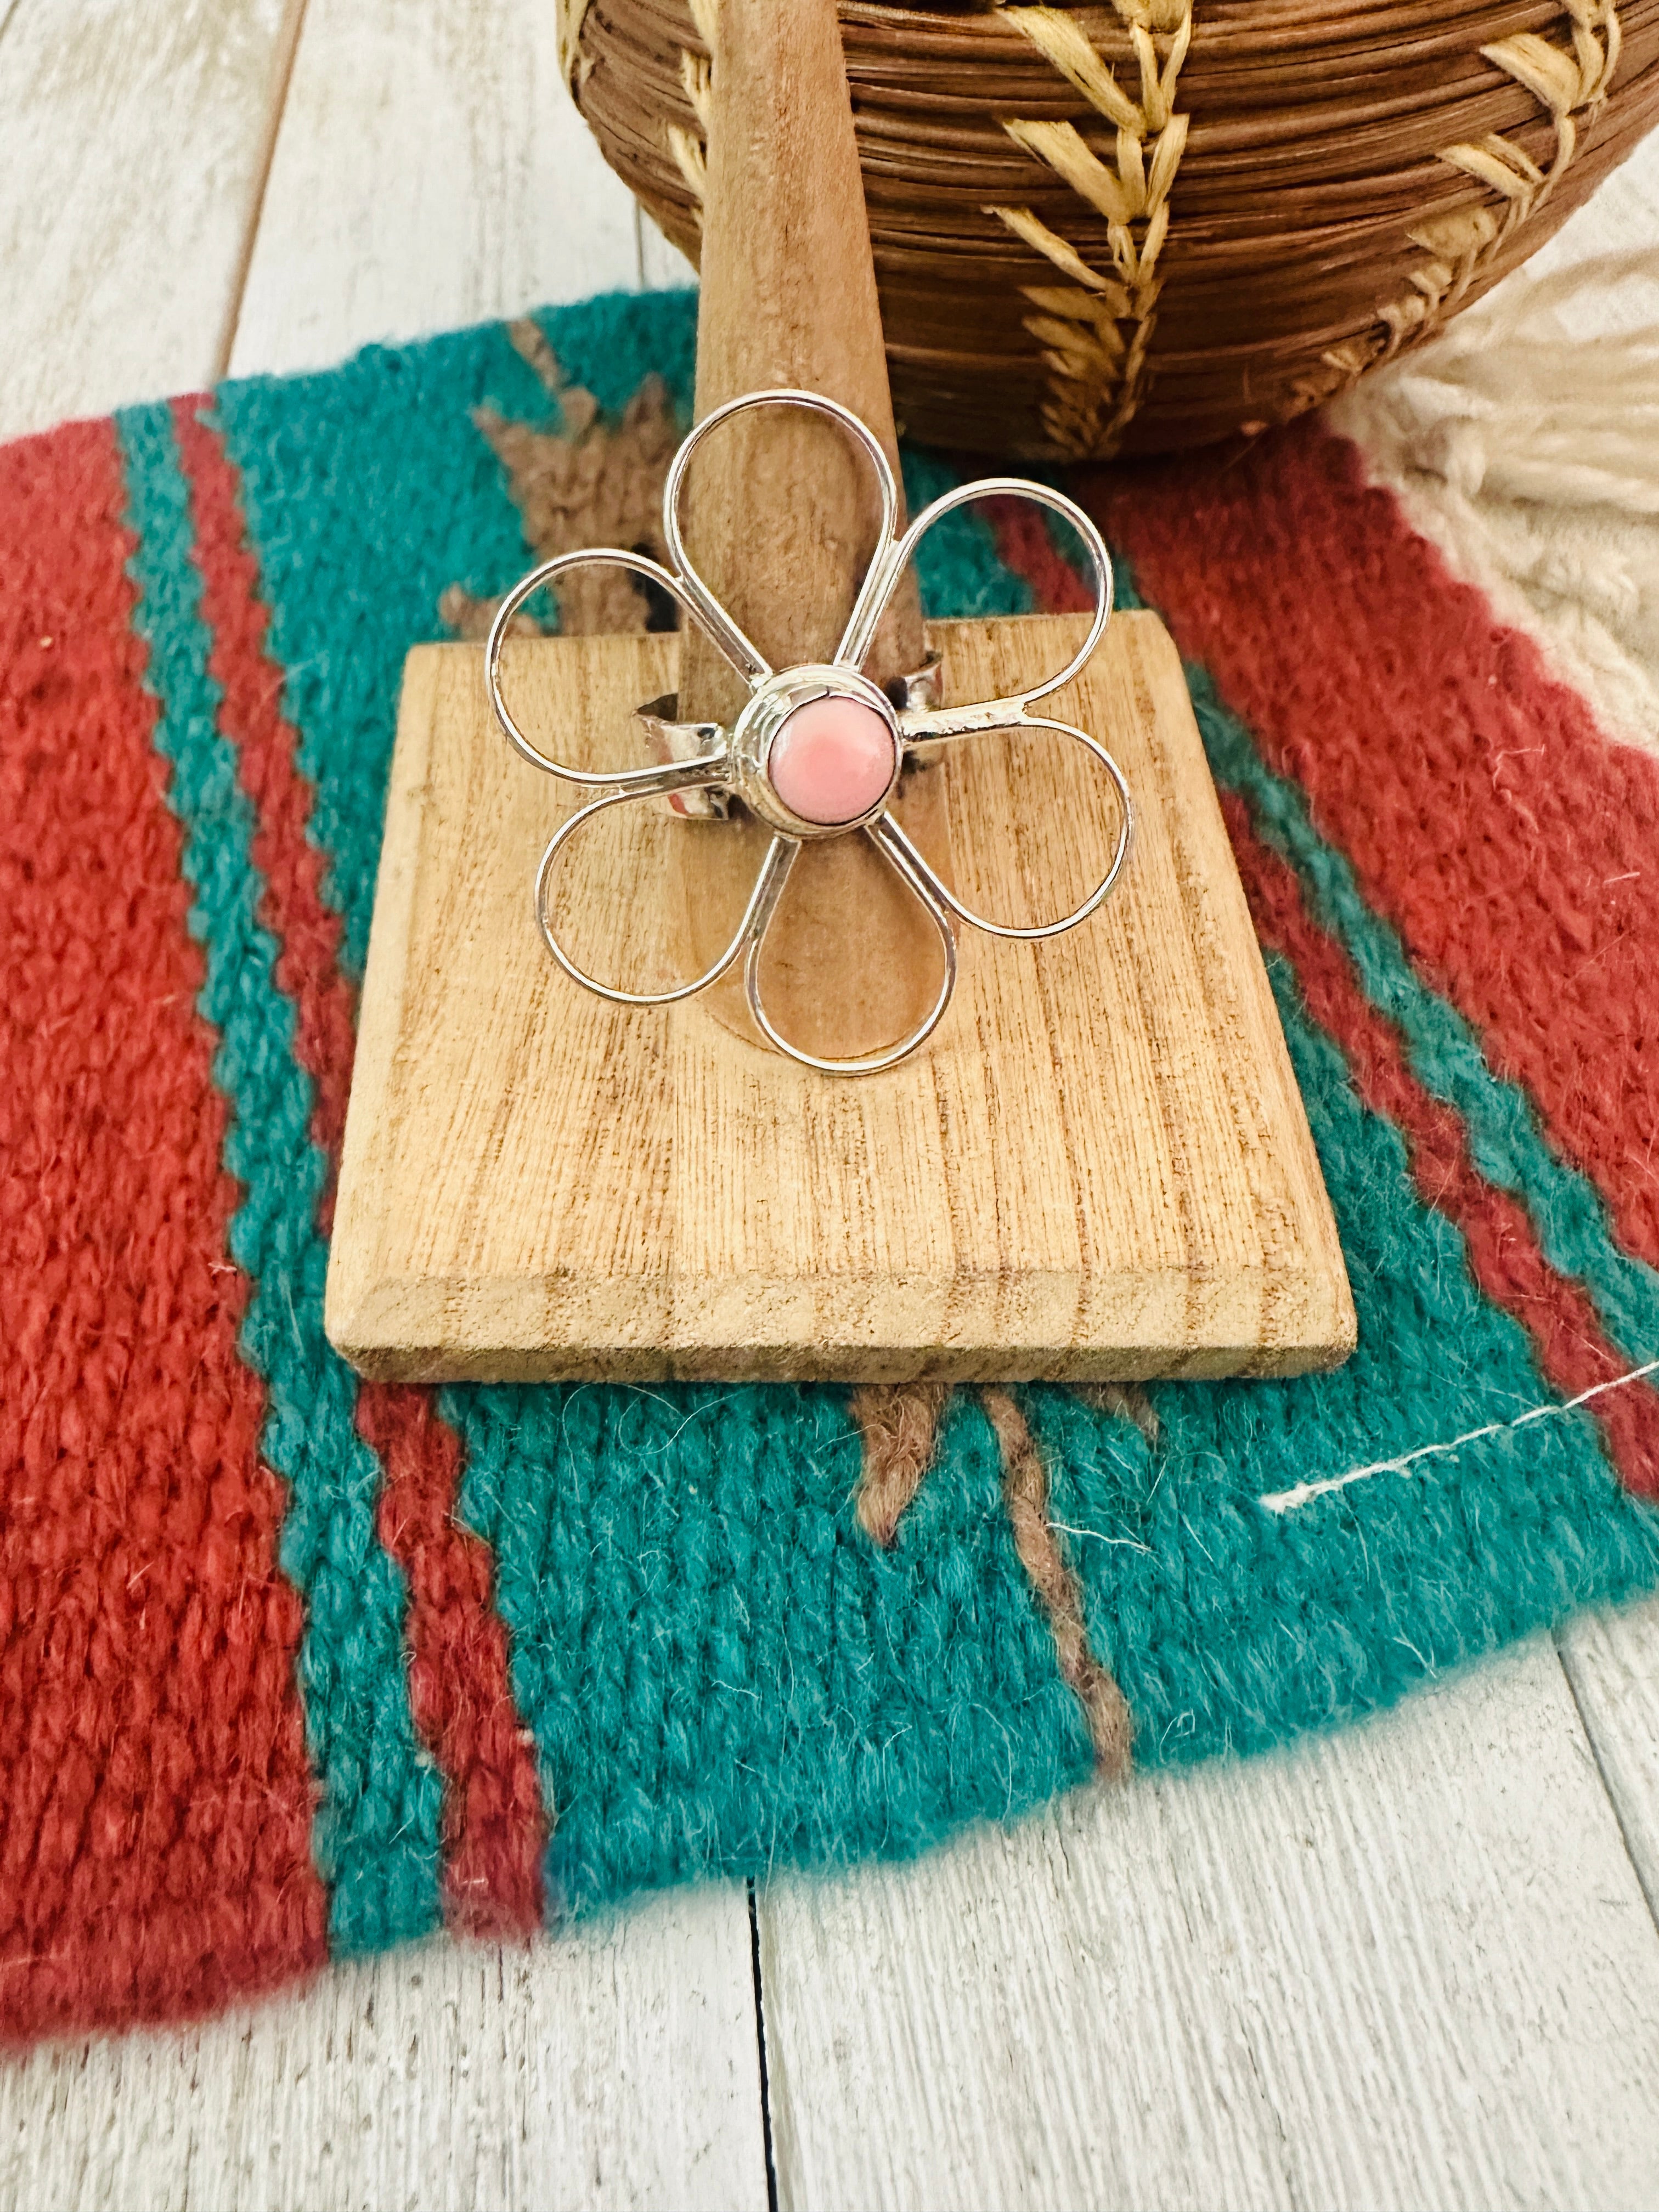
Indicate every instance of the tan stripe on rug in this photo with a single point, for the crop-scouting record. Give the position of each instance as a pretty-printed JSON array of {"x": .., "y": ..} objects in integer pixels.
[{"x": 1025, "y": 1489}]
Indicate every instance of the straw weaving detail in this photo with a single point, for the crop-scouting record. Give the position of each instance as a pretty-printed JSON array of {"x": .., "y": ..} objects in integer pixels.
[
  {"x": 1566, "y": 85},
  {"x": 1095, "y": 331},
  {"x": 690, "y": 148},
  {"x": 572, "y": 65},
  {"x": 1151, "y": 225}
]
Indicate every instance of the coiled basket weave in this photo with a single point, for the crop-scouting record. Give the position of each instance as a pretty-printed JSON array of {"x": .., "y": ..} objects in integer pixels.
[{"x": 1125, "y": 228}]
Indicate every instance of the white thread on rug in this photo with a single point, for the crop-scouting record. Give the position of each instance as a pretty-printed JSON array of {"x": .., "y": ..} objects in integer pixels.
[
  {"x": 1303, "y": 1493},
  {"x": 1099, "y": 1536}
]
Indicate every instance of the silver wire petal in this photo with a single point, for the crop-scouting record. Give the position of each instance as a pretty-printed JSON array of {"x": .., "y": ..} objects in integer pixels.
[
  {"x": 1121, "y": 854},
  {"x": 922, "y": 726},
  {"x": 872, "y": 602},
  {"x": 743, "y": 655},
  {"x": 900, "y": 857},
  {"x": 672, "y": 775},
  {"x": 762, "y": 900}
]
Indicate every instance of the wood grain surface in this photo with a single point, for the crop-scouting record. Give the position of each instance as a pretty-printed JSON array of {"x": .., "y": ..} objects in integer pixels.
[
  {"x": 783, "y": 516},
  {"x": 427, "y": 150},
  {"x": 783, "y": 511},
  {"x": 1611, "y": 1663},
  {"x": 1100, "y": 1166}
]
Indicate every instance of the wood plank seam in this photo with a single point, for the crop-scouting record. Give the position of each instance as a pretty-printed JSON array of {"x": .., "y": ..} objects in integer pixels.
[
  {"x": 758, "y": 1978},
  {"x": 1592, "y": 1720},
  {"x": 428, "y": 174},
  {"x": 282, "y": 76},
  {"x": 1395, "y": 1965}
]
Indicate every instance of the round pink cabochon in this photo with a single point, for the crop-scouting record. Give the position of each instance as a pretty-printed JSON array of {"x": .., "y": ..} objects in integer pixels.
[{"x": 832, "y": 760}]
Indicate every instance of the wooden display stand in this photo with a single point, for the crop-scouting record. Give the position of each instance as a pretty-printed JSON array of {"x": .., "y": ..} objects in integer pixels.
[{"x": 1099, "y": 1166}]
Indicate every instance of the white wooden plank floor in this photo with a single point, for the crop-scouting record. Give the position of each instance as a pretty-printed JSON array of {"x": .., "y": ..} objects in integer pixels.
[
  {"x": 1415, "y": 1965},
  {"x": 619, "y": 2067},
  {"x": 1408, "y": 1966},
  {"x": 133, "y": 143},
  {"x": 429, "y": 167}
]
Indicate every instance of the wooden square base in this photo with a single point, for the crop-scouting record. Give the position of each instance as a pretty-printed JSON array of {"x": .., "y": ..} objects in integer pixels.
[{"x": 1099, "y": 1168}]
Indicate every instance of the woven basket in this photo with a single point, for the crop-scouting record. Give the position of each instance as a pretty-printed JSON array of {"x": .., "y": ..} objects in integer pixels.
[{"x": 1125, "y": 228}]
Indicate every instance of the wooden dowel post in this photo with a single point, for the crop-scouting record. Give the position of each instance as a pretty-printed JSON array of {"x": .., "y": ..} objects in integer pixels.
[{"x": 782, "y": 514}]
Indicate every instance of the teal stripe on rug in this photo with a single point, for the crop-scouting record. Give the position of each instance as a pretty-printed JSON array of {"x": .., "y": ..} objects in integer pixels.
[
  {"x": 1506, "y": 1140},
  {"x": 376, "y": 1831},
  {"x": 723, "y": 1674},
  {"x": 1230, "y": 1627},
  {"x": 367, "y": 490}
]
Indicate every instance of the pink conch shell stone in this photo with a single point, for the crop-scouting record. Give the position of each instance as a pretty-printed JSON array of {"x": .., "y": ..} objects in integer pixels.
[{"x": 831, "y": 761}]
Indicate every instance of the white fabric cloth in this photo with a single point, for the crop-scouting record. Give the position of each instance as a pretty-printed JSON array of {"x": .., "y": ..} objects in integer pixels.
[{"x": 1524, "y": 443}]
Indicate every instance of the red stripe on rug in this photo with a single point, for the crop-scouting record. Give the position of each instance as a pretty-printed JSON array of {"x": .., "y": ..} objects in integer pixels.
[
  {"x": 1025, "y": 544},
  {"x": 460, "y": 1690},
  {"x": 156, "y": 1830},
  {"x": 1504, "y": 1255},
  {"x": 459, "y": 1686},
  {"x": 1505, "y": 1258},
  {"x": 1507, "y": 841}
]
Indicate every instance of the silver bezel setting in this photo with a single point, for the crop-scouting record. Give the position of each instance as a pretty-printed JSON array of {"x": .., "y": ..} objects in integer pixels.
[{"x": 760, "y": 724}]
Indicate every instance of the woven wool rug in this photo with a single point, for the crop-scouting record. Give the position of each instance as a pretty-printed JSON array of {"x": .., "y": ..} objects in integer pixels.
[{"x": 296, "y": 1666}]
